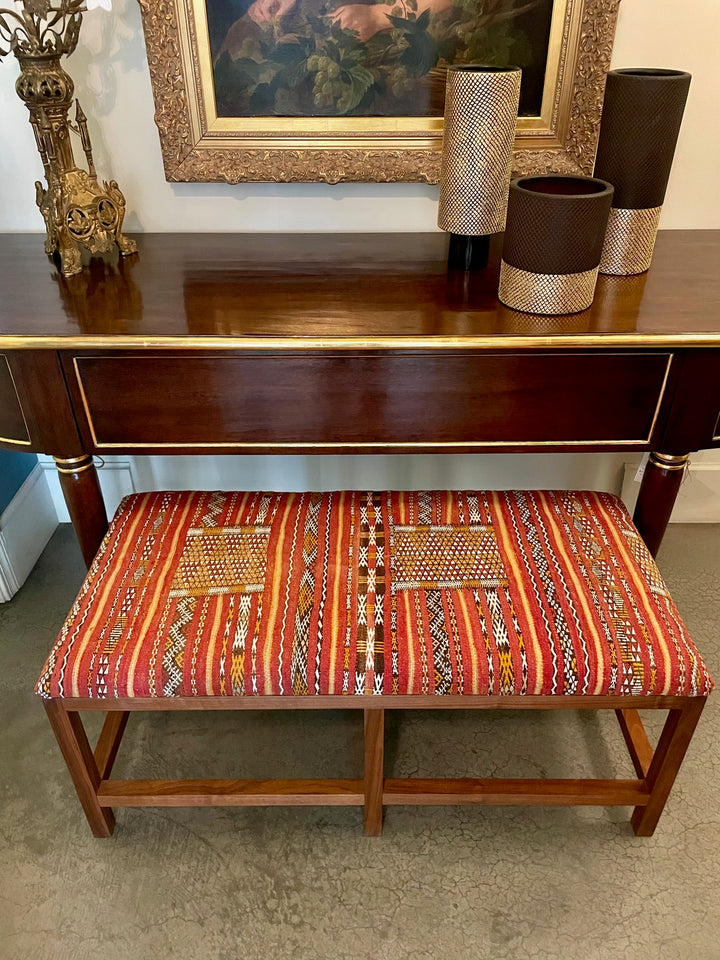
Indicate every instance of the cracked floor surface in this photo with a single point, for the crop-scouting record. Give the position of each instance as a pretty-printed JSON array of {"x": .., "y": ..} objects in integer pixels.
[{"x": 457, "y": 883}]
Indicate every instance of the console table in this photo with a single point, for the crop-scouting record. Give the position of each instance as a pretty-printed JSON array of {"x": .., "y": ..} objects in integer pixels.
[{"x": 346, "y": 344}]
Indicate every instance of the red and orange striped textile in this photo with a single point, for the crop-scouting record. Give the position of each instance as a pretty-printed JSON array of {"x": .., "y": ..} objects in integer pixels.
[{"x": 429, "y": 593}]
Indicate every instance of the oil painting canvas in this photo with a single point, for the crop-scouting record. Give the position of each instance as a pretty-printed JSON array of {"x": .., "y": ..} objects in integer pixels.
[{"x": 304, "y": 58}]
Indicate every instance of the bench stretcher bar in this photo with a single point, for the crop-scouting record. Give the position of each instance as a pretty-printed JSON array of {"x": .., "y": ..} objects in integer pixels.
[{"x": 656, "y": 771}]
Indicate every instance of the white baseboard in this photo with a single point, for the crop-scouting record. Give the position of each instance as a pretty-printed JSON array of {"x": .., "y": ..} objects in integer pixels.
[
  {"x": 116, "y": 477},
  {"x": 698, "y": 501},
  {"x": 25, "y": 528},
  {"x": 699, "y": 497}
]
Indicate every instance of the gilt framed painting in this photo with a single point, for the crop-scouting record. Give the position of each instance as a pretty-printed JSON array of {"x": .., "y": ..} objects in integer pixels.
[{"x": 328, "y": 90}]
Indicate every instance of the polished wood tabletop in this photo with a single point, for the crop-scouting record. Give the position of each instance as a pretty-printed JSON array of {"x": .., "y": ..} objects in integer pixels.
[
  {"x": 346, "y": 344},
  {"x": 339, "y": 290}
]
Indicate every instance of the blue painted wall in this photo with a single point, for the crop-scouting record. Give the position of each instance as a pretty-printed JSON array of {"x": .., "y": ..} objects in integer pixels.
[{"x": 14, "y": 468}]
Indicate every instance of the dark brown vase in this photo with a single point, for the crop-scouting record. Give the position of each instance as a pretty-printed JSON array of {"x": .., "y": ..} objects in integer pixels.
[
  {"x": 553, "y": 242},
  {"x": 639, "y": 128}
]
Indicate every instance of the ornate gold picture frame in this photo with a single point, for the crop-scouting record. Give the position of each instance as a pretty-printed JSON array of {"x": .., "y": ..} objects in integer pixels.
[{"x": 199, "y": 145}]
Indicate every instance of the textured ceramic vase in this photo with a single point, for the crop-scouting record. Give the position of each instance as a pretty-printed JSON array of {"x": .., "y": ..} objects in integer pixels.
[
  {"x": 481, "y": 106},
  {"x": 553, "y": 242},
  {"x": 641, "y": 118}
]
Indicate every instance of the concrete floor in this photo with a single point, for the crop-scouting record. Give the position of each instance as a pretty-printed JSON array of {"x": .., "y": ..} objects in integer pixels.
[{"x": 304, "y": 884}]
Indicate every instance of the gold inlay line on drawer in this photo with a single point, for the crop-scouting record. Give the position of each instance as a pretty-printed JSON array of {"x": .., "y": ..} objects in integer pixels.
[
  {"x": 21, "y": 443},
  {"x": 354, "y": 445}
]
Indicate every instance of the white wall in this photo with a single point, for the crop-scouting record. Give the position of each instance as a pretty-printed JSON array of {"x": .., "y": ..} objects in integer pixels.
[
  {"x": 112, "y": 80},
  {"x": 113, "y": 83},
  {"x": 682, "y": 35}
]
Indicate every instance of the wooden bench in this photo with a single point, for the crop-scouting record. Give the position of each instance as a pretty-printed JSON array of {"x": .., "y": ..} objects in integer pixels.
[{"x": 373, "y": 601}]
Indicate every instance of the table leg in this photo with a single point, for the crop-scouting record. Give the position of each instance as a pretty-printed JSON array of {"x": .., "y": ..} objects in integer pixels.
[
  {"x": 659, "y": 488},
  {"x": 81, "y": 489}
]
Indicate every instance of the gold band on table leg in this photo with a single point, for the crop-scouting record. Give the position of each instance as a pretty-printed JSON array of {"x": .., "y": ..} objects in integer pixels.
[
  {"x": 629, "y": 241},
  {"x": 74, "y": 464},
  {"x": 667, "y": 461},
  {"x": 69, "y": 461},
  {"x": 546, "y": 293}
]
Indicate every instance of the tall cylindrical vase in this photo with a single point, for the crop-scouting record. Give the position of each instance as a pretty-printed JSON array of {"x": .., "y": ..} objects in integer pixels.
[
  {"x": 639, "y": 128},
  {"x": 553, "y": 241},
  {"x": 481, "y": 106}
]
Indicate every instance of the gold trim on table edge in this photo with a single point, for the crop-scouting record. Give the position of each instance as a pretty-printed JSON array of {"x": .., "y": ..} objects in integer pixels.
[
  {"x": 425, "y": 343},
  {"x": 351, "y": 445},
  {"x": 369, "y": 445}
]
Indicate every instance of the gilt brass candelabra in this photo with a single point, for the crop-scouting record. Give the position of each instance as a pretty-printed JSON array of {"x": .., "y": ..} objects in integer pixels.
[{"x": 78, "y": 210}]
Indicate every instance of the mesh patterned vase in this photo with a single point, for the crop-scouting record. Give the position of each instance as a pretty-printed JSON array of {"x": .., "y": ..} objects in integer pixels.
[
  {"x": 481, "y": 106},
  {"x": 641, "y": 118},
  {"x": 553, "y": 242}
]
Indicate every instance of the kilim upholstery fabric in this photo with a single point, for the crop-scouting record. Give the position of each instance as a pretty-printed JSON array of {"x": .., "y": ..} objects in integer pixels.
[{"x": 430, "y": 593}]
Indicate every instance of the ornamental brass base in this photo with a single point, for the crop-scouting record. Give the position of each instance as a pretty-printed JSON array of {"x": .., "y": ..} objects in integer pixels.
[
  {"x": 79, "y": 212},
  {"x": 629, "y": 241},
  {"x": 546, "y": 293}
]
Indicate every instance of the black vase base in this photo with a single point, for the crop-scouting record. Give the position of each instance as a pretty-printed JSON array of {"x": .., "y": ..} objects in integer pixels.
[{"x": 468, "y": 253}]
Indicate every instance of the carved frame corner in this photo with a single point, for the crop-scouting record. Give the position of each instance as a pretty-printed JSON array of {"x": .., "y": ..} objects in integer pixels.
[{"x": 185, "y": 160}]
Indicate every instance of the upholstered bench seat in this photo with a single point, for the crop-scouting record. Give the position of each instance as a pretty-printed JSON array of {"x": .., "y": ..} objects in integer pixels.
[
  {"x": 238, "y": 594},
  {"x": 390, "y": 598}
]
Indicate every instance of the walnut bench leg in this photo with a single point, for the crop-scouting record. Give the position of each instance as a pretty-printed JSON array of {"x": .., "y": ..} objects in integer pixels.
[
  {"x": 373, "y": 771},
  {"x": 73, "y": 742},
  {"x": 90, "y": 771},
  {"x": 656, "y": 770},
  {"x": 669, "y": 754}
]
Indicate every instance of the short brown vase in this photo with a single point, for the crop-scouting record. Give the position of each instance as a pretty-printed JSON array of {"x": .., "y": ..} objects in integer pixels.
[{"x": 553, "y": 242}]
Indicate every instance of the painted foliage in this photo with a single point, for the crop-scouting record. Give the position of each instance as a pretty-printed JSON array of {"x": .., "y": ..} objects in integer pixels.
[{"x": 298, "y": 58}]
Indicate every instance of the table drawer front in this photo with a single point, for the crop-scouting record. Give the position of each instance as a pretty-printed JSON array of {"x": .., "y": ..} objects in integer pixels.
[
  {"x": 13, "y": 428},
  {"x": 164, "y": 401}
]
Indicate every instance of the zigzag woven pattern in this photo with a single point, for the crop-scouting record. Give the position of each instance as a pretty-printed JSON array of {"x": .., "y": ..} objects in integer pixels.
[{"x": 435, "y": 593}]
